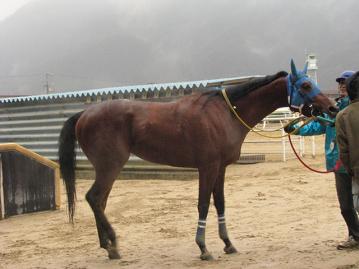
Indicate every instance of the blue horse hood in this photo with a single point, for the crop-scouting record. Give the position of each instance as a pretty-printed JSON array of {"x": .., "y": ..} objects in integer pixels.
[{"x": 296, "y": 97}]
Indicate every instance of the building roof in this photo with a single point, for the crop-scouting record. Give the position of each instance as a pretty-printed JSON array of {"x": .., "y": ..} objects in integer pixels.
[{"x": 127, "y": 89}]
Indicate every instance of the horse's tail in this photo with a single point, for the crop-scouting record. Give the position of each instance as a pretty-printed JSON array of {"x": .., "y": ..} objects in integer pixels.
[{"x": 67, "y": 160}]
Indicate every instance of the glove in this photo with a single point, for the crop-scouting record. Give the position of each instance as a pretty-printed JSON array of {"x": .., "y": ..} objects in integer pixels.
[{"x": 289, "y": 128}]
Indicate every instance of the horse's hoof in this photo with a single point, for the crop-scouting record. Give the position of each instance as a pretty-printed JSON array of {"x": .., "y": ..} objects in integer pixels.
[
  {"x": 113, "y": 254},
  {"x": 206, "y": 256},
  {"x": 230, "y": 250}
]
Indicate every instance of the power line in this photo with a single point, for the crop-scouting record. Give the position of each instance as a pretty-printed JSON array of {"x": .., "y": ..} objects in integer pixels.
[
  {"x": 85, "y": 78},
  {"x": 47, "y": 81},
  {"x": 78, "y": 77},
  {"x": 20, "y": 76}
]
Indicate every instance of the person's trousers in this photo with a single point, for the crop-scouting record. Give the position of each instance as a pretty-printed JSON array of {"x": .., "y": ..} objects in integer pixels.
[
  {"x": 355, "y": 190},
  {"x": 343, "y": 183}
]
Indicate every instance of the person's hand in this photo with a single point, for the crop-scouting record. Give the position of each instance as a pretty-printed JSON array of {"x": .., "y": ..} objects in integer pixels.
[{"x": 289, "y": 128}]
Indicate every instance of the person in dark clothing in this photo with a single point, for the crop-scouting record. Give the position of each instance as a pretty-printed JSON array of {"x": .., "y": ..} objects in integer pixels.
[{"x": 347, "y": 128}]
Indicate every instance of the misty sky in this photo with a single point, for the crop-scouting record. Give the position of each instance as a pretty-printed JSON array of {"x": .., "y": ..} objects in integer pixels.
[
  {"x": 85, "y": 44},
  {"x": 9, "y": 7}
]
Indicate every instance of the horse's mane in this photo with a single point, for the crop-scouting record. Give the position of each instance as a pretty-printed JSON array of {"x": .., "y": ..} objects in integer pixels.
[{"x": 240, "y": 90}]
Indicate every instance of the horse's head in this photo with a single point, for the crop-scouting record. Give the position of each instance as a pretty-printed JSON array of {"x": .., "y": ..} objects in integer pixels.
[{"x": 304, "y": 92}]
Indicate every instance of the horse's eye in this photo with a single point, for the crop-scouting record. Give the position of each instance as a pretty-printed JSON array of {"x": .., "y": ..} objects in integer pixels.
[{"x": 306, "y": 86}]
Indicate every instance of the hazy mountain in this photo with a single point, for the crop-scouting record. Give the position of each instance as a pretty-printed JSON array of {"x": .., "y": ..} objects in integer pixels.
[{"x": 84, "y": 44}]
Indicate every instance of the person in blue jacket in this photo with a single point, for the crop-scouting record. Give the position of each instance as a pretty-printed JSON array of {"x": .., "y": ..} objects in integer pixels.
[{"x": 343, "y": 180}]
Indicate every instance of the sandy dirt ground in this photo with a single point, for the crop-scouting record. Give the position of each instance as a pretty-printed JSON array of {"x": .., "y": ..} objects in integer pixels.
[{"x": 279, "y": 215}]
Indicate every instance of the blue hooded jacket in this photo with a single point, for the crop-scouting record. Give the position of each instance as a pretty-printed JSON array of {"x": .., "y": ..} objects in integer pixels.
[{"x": 331, "y": 148}]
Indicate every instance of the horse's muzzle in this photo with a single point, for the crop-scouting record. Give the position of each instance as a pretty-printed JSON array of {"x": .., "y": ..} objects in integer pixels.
[{"x": 315, "y": 110}]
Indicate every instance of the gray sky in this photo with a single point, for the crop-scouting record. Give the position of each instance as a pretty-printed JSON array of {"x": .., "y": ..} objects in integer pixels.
[
  {"x": 9, "y": 7},
  {"x": 84, "y": 44}
]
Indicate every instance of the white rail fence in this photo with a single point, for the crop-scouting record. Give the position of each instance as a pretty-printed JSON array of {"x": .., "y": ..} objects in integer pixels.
[{"x": 278, "y": 149}]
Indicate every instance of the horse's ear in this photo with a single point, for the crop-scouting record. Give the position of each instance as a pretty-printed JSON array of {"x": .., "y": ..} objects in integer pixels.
[
  {"x": 305, "y": 67},
  {"x": 293, "y": 69}
]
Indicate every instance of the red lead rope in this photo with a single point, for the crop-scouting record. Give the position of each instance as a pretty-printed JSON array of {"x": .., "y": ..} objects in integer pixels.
[{"x": 296, "y": 154}]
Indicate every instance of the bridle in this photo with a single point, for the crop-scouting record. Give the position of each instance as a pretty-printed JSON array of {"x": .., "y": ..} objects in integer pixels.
[{"x": 296, "y": 99}]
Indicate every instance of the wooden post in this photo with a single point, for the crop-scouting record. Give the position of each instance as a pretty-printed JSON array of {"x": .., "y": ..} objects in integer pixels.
[{"x": 57, "y": 185}]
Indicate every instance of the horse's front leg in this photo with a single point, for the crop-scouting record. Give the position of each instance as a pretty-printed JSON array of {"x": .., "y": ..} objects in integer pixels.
[
  {"x": 207, "y": 178},
  {"x": 218, "y": 196}
]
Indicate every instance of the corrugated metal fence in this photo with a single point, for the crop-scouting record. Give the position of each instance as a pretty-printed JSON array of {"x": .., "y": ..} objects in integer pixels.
[{"x": 37, "y": 127}]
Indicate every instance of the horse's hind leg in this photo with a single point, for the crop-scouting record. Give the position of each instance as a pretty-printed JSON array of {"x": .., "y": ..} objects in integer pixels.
[
  {"x": 97, "y": 197},
  {"x": 218, "y": 196}
]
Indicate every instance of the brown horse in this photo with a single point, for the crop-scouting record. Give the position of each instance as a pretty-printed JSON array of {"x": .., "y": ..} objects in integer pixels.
[{"x": 197, "y": 131}]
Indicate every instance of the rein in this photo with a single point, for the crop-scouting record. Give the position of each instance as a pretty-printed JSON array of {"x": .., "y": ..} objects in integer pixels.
[
  {"x": 228, "y": 102},
  {"x": 307, "y": 166},
  {"x": 282, "y": 136}
]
